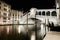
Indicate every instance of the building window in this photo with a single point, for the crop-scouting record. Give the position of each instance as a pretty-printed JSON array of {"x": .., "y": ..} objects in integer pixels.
[
  {"x": 54, "y": 13},
  {"x": 43, "y": 13},
  {"x": 9, "y": 7},
  {"x": 4, "y": 18},
  {"x": 21, "y": 15},
  {"x": 5, "y": 14},
  {"x": 48, "y": 13},
  {"x": 5, "y": 9},
  {"x": 40, "y": 13},
  {"x": 8, "y": 18},
  {"x": 0, "y": 3},
  {"x": 13, "y": 14},
  {"x": 5, "y": 5},
  {"x": 9, "y": 14},
  {"x": 4, "y": 21},
  {"x": 18, "y": 15}
]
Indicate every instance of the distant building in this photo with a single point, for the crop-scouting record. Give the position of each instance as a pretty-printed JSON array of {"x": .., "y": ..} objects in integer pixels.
[
  {"x": 4, "y": 13},
  {"x": 5, "y": 16},
  {"x": 9, "y": 16},
  {"x": 16, "y": 16}
]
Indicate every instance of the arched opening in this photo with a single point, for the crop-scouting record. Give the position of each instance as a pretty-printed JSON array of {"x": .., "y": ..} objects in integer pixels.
[
  {"x": 48, "y": 13},
  {"x": 43, "y": 13},
  {"x": 54, "y": 13},
  {"x": 40, "y": 13}
]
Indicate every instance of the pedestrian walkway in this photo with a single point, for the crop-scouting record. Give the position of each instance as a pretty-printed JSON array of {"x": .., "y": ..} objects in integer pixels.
[{"x": 52, "y": 35}]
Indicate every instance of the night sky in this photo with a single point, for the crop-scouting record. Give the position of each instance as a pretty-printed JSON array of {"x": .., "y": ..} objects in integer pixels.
[{"x": 27, "y": 4}]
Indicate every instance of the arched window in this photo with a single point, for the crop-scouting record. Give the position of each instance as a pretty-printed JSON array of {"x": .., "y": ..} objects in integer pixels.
[
  {"x": 48, "y": 13},
  {"x": 54, "y": 13},
  {"x": 43, "y": 13},
  {"x": 40, "y": 13}
]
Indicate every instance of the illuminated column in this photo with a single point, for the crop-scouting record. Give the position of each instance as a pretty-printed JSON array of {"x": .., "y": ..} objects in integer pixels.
[
  {"x": 17, "y": 16},
  {"x": 58, "y": 9},
  {"x": 11, "y": 17},
  {"x": 57, "y": 3},
  {"x": 14, "y": 18}
]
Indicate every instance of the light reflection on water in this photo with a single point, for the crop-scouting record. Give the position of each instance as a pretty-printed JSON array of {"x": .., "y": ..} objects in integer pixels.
[
  {"x": 17, "y": 33},
  {"x": 13, "y": 33}
]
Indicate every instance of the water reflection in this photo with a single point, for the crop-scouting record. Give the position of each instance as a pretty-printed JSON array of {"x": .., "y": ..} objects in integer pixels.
[
  {"x": 11, "y": 33},
  {"x": 18, "y": 32}
]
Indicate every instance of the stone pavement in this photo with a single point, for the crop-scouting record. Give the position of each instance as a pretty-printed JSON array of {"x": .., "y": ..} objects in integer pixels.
[{"x": 52, "y": 35}]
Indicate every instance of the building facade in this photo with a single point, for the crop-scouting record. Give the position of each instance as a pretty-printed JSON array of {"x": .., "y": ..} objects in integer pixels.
[
  {"x": 16, "y": 16},
  {"x": 4, "y": 13},
  {"x": 4, "y": 16},
  {"x": 8, "y": 16}
]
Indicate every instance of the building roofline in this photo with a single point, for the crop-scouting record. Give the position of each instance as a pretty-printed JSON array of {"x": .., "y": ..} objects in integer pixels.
[{"x": 5, "y": 3}]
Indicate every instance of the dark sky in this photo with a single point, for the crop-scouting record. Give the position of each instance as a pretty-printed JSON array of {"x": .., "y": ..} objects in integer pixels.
[{"x": 27, "y": 4}]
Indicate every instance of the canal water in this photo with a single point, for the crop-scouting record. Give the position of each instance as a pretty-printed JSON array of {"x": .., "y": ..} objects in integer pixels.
[{"x": 12, "y": 33}]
